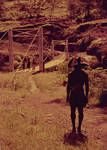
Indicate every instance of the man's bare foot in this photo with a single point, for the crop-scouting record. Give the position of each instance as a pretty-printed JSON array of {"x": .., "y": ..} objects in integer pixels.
[{"x": 79, "y": 130}]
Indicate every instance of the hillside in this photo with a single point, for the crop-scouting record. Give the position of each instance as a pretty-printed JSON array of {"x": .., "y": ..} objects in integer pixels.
[
  {"x": 89, "y": 38},
  {"x": 34, "y": 114}
]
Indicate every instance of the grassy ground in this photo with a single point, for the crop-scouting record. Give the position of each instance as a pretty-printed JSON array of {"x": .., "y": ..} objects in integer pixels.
[
  {"x": 41, "y": 120},
  {"x": 51, "y": 83}
]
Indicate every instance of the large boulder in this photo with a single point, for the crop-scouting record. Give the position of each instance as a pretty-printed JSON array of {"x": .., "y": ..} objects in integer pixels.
[
  {"x": 91, "y": 61},
  {"x": 84, "y": 42},
  {"x": 95, "y": 45},
  {"x": 104, "y": 62}
]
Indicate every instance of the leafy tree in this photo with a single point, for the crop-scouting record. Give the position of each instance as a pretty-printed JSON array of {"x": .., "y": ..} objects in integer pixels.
[
  {"x": 33, "y": 7},
  {"x": 74, "y": 8},
  {"x": 102, "y": 6},
  {"x": 104, "y": 3},
  {"x": 87, "y": 9},
  {"x": 1, "y": 9},
  {"x": 87, "y": 6}
]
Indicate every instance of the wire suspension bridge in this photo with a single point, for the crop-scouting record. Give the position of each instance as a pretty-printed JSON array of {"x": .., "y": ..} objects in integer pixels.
[{"x": 40, "y": 38}]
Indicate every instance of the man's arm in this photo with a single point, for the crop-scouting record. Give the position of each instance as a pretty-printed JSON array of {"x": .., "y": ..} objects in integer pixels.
[
  {"x": 68, "y": 89},
  {"x": 87, "y": 87}
]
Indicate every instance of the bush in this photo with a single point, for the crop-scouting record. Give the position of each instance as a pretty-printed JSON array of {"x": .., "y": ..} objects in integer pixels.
[
  {"x": 103, "y": 98},
  {"x": 17, "y": 82},
  {"x": 98, "y": 85},
  {"x": 63, "y": 68}
]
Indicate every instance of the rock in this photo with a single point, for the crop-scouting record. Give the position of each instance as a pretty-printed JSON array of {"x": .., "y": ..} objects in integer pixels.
[
  {"x": 73, "y": 47},
  {"x": 84, "y": 27},
  {"x": 92, "y": 61},
  {"x": 103, "y": 98},
  {"x": 94, "y": 46},
  {"x": 59, "y": 47},
  {"x": 90, "y": 38},
  {"x": 84, "y": 42},
  {"x": 104, "y": 62},
  {"x": 98, "y": 48}
]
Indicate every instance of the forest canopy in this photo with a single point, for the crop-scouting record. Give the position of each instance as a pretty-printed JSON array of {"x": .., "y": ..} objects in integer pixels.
[{"x": 80, "y": 10}]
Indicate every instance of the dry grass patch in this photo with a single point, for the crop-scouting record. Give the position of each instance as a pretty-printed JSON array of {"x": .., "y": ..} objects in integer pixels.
[
  {"x": 24, "y": 126},
  {"x": 51, "y": 83},
  {"x": 14, "y": 82},
  {"x": 17, "y": 127}
]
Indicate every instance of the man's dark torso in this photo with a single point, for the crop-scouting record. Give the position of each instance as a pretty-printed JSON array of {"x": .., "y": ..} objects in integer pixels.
[{"x": 76, "y": 81}]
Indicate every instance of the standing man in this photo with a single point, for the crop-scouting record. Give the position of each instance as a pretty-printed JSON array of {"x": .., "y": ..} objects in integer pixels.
[{"x": 76, "y": 95}]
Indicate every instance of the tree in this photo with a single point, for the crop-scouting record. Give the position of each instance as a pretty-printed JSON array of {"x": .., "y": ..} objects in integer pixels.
[
  {"x": 75, "y": 9},
  {"x": 34, "y": 7},
  {"x": 104, "y": 3},
  {"x": 1, "y": 9},
  {"x": 87, "y": 4},
  {"x": 52, "y": 4}
]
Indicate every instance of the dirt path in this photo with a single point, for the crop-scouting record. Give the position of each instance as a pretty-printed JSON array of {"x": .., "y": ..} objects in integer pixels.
[{"x": 55, "y": 117}]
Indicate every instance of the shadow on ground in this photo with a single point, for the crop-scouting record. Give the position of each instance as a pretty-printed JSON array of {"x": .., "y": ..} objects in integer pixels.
[
  {"x": 56, "y": 101},
  {"x": 101, "y": 107},
  {"x": 75, "y": 139}
]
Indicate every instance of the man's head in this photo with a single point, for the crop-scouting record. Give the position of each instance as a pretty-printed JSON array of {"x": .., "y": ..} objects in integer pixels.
[{"x": 79, "y": 65}]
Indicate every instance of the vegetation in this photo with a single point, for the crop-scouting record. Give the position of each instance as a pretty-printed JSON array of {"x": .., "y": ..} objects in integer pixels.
[
  {"x": 33, "y": 109},
  {"x": 51, "y": 83},
  {"x": 86, "y": 9},
  {"x": 23, "y": 125},
  {"x": 77, "y": 10}
]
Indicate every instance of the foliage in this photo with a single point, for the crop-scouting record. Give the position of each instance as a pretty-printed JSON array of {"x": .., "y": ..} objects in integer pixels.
[
  {"x": 14, "y": 82},
  {"x": 80, "y": 10},
  {"x": 1, "y": 9},
  {"x": 86, "y": 9},
  {"x": 51, "y": 83},
  {"x": 97, "y": 84},
  {"x": 63, "y": 68}
]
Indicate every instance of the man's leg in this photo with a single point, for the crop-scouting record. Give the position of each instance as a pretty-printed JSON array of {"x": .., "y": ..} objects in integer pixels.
[
  {"x": 73, "y": 116},
  {"x": 81, "y": 115}
]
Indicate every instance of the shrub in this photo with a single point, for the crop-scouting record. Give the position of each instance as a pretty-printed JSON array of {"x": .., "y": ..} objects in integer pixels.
[
  {"x": 17, "y": 82},
  {"x": 103, "y": 98},
  {"x": 98, "y": 85},
  {"x": 63, "y": 68}
]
